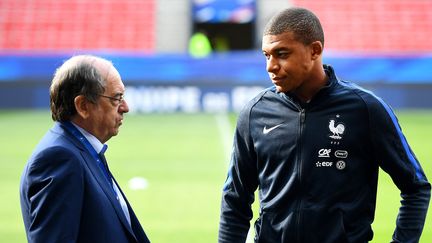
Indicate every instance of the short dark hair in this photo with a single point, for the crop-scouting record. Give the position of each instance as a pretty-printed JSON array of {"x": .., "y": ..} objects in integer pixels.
[
  {"x": 79, "y": 75},
  {"x": 304, "y": 24}
]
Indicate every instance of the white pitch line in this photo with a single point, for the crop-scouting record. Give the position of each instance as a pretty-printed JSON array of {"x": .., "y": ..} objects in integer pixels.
[{"x": 226, "y": 136}]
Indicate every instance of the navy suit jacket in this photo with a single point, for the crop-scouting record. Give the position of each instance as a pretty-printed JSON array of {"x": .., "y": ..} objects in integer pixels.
[{"x": 65, "y": 196}]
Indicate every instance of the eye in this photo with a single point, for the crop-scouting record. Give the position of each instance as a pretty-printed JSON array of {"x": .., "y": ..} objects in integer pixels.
[
  {"x": 267, "y": 56},
  {"x": 119, "y": 98},
  {"x": 283, "y": 54}
]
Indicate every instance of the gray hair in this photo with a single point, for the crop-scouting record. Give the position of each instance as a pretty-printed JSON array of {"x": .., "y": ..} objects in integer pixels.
[{"x": 79, "y": 75}]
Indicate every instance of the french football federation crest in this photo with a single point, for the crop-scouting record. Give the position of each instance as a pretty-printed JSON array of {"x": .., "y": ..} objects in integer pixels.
[{"x": 337, "y": 129}]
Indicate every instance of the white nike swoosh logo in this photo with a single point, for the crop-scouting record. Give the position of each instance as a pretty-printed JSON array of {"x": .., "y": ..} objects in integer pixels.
[{"x": 267, "y": 130}]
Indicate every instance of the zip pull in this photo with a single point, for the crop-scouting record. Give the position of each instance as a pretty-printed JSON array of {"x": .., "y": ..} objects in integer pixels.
[{"x": 302, "y": 115}]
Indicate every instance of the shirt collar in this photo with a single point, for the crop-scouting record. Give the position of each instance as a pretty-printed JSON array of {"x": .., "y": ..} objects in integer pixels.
[{"x": 95, "y": 143}]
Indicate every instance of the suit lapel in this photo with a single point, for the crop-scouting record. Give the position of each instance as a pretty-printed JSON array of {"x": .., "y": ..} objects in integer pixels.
[
  {"x": 98, "y": 175},
  {"x": 106, "y": 187},
  {"x": 135, "y": 224}
]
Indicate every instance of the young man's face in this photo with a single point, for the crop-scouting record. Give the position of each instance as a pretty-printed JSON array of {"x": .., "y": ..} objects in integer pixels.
[{"x": 289, "y": 62}]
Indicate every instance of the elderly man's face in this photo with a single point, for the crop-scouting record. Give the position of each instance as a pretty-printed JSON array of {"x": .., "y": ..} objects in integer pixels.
[{"x": 106, "y": 115}]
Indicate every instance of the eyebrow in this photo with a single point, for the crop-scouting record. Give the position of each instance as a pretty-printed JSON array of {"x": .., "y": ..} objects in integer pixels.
[
  {"x": 118, "y": 94},
  {"x": 277, "y": 50}
]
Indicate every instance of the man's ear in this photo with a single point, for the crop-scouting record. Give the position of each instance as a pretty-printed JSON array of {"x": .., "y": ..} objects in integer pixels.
[
  {"x": 316, "y": 49},
  {"x": 82, "y": 106}
]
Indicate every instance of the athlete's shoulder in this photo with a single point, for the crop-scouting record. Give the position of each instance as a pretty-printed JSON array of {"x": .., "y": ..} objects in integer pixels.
[
  {"x": 353, "y": 93},
  {"x": 270, "y": 91},
  {"x": 245, "y": 113},
  {"x": 366, "y": 95}
]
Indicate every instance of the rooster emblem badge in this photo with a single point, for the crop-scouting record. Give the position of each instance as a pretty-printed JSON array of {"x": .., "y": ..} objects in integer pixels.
[{"x": 336, "y": 129}]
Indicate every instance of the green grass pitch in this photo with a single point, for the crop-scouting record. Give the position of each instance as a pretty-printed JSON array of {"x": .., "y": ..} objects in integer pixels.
[{"x": 183, "y": 157}]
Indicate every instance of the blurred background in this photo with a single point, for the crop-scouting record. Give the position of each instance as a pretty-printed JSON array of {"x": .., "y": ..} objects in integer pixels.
[
  {"x": 189, "y": 66},
  {"x": 209, "y": 50}
]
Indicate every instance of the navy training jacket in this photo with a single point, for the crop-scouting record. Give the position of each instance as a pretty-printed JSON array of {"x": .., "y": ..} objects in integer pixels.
[{"x": 316, "y": 166}]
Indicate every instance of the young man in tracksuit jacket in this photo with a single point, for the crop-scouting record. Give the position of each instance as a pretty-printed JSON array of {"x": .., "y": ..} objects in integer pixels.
[{"x": 313, "y": 145}]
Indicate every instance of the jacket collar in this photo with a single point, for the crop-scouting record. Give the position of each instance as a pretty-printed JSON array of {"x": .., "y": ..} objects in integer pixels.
[{"x": 331, "y": 83}]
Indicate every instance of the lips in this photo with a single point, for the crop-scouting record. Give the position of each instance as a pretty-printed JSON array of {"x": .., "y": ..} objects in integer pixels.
[
  {"x": 120, "y": 121},
  {"x": 276, "y": 80},
  {"x": 275, "y": 77}
]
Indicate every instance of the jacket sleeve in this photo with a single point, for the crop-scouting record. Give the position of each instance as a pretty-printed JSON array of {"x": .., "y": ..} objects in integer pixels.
[
  {"x": 53, "y": 191},
  {"x": 240, "y": 185},
  {"x": 398, "y": 160}
]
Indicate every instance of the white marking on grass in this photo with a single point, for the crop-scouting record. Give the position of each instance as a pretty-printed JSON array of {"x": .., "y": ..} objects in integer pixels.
[
  {"x": 225, "y": 133},
  {"x": 138, "y": 183}
]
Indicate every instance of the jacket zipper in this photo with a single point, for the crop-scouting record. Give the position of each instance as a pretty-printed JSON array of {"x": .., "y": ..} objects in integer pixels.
[{"x": 299, "y": 169}]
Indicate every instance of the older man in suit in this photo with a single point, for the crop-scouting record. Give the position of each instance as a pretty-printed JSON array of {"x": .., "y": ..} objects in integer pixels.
[{"x": 67, "y": 191}]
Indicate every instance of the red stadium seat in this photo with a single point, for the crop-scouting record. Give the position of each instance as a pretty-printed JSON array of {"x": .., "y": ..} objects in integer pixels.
[
  {"x": 65, "y": 25},
  {"x": 374, "y": 25}
]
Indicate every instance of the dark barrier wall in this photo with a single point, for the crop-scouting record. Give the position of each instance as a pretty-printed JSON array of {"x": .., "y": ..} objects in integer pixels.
[{"x": 221, "y": 82}]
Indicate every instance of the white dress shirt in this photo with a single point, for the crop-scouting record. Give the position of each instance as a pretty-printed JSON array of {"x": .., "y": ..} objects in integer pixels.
[{"x": 98, "y": 147}]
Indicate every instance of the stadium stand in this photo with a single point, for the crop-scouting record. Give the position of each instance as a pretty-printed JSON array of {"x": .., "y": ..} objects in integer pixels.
[
  {"x": 382, "y": 45},
  {"x": 371, "y": 26},
  {"x": 65, "y": 25}
]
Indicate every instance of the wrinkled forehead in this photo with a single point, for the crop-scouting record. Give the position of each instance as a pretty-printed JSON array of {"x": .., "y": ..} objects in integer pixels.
[
  {"x": 105, "y": 68},
  {"x": 111, "y": 74},
  {"x": 113, "y": 82},
  {"x": 107, "y": 71}
]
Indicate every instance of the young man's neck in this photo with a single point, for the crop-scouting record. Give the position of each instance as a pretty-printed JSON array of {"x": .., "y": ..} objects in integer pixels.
[{"x": 316, "y": 83}]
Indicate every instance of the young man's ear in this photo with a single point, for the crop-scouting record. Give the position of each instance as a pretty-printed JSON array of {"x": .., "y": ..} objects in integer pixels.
[
  {"x": 316, "y": 49},
  {"x": 82, "y": 106}
]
